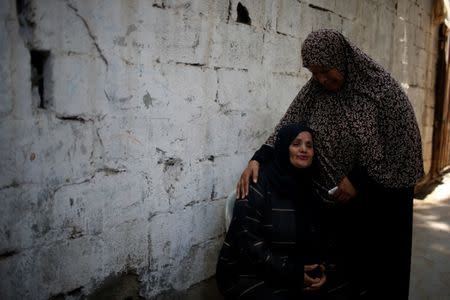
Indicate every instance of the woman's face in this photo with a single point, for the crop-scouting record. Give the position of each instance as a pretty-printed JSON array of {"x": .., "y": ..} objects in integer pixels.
[
  {"x": 331, "y": 79},
  {"x": 301, "y": 150}
]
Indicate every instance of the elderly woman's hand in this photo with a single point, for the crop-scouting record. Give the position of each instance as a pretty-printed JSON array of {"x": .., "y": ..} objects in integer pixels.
[
  {"x": 345, "y": 191},
  {"x": 251, "y": 171},
  {"x": 313, "y": 284}
]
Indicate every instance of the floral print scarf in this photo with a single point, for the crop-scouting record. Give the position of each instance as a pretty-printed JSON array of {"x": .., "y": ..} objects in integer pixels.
[{"x": 369, "y": 123}]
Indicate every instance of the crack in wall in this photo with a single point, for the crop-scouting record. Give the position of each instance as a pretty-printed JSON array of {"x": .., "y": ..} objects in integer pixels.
[
  {"x": 13, "y": 184},
  {"x": 8, "y": 254},
  {"x": 231, "y": 69},
  {"x": 190, "y": 64},
  {"x": 110, "y": 171},
  {"x": 326, "y": 10},
  {"x": 320, "y": 8},
  {"x": 89, "y": 31},
  {"x": 106, "y": 170},
  {"x": 77, "y": 118},
  {"x": 230, "y": 6}
]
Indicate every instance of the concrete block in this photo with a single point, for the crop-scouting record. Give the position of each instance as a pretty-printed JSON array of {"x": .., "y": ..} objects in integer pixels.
[
  {"x": 320, "y": 18},
  {"x": 354, "y": 31},
  {"x": 60, "y": 159},
  {"x": 368, "y": 17},
  {"x": 430, "y": 100},
  {"x": 41, "y": 161},
  {"x": 172, "y": 283},
  {"x": 399, "y": 53},
  {"x": 390, "y": 5},
  {"x": 431, "y": 79},
  {"x": 20, "y": 279},
  {"x": 289, "y": 18},
  {"x": 322, "y": 4},
  {"x": 281, "y": 53},
  {"x": 241, "y": 92},
  {"x": 10, "y": 156},
  {"x": 332, "y": 21},
  {"x": 6, "y": 53},
  {"x": 414, "y": 13},
  {"x": 428, "y": 151},
  {"x": 191, "y": 93},
  {"x": 278, "y": 100},
  {"x": 417, "y": 98},
  {"x": 98, "y": 204},
  {"x": 421, "y": 77},
  {"x": 182, "y": 42},
  {"x": 422, "y": 58},
  {"x": 143, "y": 32},
  {"x": 236, "y": 46},
  {"x": 427, "y": 165},
  {"x": 16, "y": 99},
  {"x": 385, "y": 29},
  {"x": 403, "y": 9},
  {"x": 420, "y": 38},
  {"x": 271, "y": 15},
  {"x": 172, "y": 235},
  {"x": 19, "y": 226},
  {"x": 189, "y": 9},
  {"x": 425, "y": 19},
  {"x": 348, "y": 9},
  {"x": 64, "y": 27},
  {"x": 77, "y": 86},
  {"x": 429, "y": 116},
  {"x": 256, "y": 11},
  {"x": 428, "y": 135}
]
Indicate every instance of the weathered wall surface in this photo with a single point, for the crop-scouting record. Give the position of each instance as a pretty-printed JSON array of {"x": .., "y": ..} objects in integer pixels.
[{"x": 124, "y": 124}]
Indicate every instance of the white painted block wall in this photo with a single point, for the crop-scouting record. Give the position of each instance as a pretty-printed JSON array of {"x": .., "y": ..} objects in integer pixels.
[{"x": 152, "y": 109}]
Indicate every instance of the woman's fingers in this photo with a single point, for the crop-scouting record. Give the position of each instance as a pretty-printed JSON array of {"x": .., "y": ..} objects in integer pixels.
[
  {"x": 242, "y": 186},
  {"x": 254, "y": 166},
  {"x": 308, "y": 268},
  {"x": 320, "y": 283},
  {"x": 313, "y": 284},
  {"x": 345, "y": 191},
  {"x": 322, "y": 268},
  {"x": 251, "y": 171},
  {"x": 238, "y": 189},
  {"x": 307, "y": 280},
  {"x": 245, "y": 181}
]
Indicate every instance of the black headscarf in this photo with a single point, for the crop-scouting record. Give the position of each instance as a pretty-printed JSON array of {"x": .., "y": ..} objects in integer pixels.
[{"x": 286, "y": 179}]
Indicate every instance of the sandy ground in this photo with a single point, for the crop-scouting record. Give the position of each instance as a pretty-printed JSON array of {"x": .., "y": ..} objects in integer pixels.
[{"x": 430, "y": 270}]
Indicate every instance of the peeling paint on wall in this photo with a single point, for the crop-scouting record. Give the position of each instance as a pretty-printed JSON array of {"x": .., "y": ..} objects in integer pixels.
[{"x": 125, "y": 125}]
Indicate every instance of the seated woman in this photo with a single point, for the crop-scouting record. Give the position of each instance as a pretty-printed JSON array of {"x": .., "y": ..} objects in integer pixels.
[{"x": 272, "y": 248}]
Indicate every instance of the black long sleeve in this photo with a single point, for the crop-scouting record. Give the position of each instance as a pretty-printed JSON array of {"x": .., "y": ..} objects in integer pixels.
[
  {"x": 263, "y": 154},
  {"x": 249, "y": 217}
]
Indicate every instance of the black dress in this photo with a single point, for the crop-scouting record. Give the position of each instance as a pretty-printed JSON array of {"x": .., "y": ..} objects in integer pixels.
[{"x": 270, "y": 238}]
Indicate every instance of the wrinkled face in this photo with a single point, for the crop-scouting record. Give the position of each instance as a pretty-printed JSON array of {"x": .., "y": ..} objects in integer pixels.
[
  {"x": 331, "y": 79},
  {"x": 301, "y": 150}
]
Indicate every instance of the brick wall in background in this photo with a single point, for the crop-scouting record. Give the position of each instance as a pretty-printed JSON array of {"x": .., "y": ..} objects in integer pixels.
[{"x": 125, "y": 124}]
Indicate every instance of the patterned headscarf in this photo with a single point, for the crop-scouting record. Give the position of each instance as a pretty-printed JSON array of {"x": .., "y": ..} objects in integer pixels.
[{"x": 369, "y": 123}]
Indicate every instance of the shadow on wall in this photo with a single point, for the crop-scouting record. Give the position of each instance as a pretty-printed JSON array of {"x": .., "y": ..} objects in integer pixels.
[
  {"x": 124, "y": 286},
  {"x": 205, "y": 290}
]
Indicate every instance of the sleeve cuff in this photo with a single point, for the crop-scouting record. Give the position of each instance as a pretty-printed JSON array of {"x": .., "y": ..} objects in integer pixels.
[{"x": 264, "y": 154}]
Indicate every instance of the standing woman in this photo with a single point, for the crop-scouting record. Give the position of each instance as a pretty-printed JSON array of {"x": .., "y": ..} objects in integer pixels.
[
  {"x": 273, "y": 238},
  {"x": 368, "y": 145}
]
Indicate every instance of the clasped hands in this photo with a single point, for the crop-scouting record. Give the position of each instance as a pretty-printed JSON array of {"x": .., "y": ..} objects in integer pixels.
[{"x": 311, "y": 283}]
